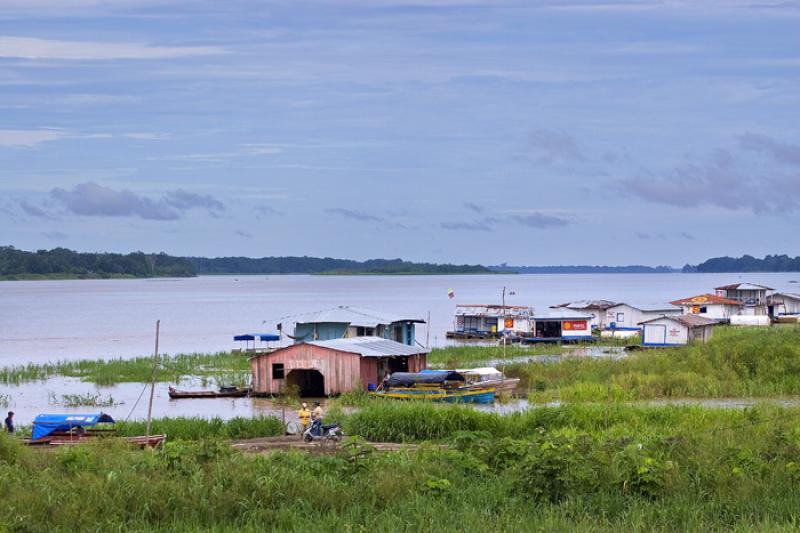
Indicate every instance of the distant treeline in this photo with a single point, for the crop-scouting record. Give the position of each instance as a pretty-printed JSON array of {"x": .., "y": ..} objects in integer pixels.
[
  {"x": 324, "y": 265},
  {"x": 747, "y": 263},
  {"x": 584, "y": 269},
  {"x": 63, "y": 263}
]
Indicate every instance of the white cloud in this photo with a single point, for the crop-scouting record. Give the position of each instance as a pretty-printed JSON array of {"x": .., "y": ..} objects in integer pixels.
[
  {"x": 33, "y": 48},
  {"x": 28, "y": 138}
]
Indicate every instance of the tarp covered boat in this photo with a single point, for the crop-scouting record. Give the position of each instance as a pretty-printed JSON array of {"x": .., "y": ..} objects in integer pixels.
[
  {"x": 73, "y": 428},
  {"x": 438, "y": 386}
]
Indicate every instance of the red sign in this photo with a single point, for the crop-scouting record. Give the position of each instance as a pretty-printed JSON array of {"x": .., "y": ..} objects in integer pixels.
[
  {"x": 574, "y": 325},
  {"x": 509, "y": 323}
]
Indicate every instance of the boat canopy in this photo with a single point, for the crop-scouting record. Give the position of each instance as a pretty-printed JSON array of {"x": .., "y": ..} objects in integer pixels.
[
  {"x": 482, "y": 371},
  {"x": 409, "y": 379},
  {"x": 45, "y": 424},
  {"x": 266, "y": 337}
]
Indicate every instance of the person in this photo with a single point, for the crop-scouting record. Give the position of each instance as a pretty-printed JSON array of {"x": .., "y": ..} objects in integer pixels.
[
  {"x": 8, "y": 423},
  {"x": 316, "y": 414},
  {"x": 305, "y": 417}
]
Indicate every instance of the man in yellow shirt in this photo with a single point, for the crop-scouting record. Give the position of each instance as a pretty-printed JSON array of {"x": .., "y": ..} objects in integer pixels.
[
  {"x": 305, "y": 417},
  {"x": 316, "y": 414}
]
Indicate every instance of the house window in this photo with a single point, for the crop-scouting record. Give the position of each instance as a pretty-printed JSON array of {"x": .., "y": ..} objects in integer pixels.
[
  {"x": 620, "y": 317},
  {"x": 277, "y": 370},
  {"x": 704, "y": 309},
  {"x": 362, "y": 331}
]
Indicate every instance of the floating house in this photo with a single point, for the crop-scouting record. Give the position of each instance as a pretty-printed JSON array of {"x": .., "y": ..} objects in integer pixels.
[
  {"x": 251, "y": 342},
  {"x": 562, "y": 325},
  {"x": 676, "y": 330},
  {"x": 752, "y": 296},
  {"x": 596, "y": 308},
  {"x": 346, "y": 322},
  {"x": 486, "y": 321},
  {"x": 783, "y": 304},
  {"x": 330, "y": 367},
  {"x": 624, "y": 319},
  {"x": 709, "y": 306}
]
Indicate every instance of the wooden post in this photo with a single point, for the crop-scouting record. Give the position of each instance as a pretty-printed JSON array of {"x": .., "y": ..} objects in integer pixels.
[{"x": 153, "y": 382}]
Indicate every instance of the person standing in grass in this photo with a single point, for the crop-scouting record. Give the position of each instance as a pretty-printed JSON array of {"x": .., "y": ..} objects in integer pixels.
[
  {"x": 8, "y": 423},
  {"x": 305, "y": 417}
]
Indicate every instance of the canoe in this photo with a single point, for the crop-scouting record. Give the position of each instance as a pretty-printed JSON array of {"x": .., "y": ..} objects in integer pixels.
[
  {"x": 436, "y": 394},
  {"x": 233, "y": 392}
]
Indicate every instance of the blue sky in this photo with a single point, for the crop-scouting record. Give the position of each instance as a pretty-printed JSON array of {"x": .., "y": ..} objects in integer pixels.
[{"x": 536, "y": 132}]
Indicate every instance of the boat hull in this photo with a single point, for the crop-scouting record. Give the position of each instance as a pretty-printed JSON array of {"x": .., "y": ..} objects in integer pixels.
[
  {"x": 484, "y": 395},
  {"x": 238, "y": 393}
]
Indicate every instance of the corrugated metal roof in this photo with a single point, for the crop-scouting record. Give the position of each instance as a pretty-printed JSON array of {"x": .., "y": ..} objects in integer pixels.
[
  {"x": 690, "y": 321},
  {"x": 562, "y": 314},
  {"x": 706, "y": 299},
  {"x": 649, "y": 307},
  {"x": 370, "y": 346},
  {"x": 743, "y": 287},
  {"x": 586, "y": 304},
  {"x": 790, "y": 295},
  {"x": 346, "y": 314}
]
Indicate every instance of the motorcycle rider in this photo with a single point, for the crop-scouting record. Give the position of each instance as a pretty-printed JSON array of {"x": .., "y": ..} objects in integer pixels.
[{"x": 316, "y": 419}]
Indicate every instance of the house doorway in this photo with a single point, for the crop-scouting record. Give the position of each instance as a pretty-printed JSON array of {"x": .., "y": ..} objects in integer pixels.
[
  {"x": 310, "y": 382},
  {"x": 548, "y": 329}
]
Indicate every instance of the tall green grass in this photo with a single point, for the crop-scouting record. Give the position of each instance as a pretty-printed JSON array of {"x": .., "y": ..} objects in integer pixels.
[
  {"x": 221, "y": 367},
  {"x": 648, "y": 469},
  {"x": 200, "y": 428}
]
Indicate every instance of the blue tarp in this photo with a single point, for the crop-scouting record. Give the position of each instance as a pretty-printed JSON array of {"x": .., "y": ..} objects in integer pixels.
[
  {"x": 44, "y": 425},
  {"x": 253, "y": 336}
]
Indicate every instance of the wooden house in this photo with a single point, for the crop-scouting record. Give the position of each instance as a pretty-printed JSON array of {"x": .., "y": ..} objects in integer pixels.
[{"x": 330, "y": 367}]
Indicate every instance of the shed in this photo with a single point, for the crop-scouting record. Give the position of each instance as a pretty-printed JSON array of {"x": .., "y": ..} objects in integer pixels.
[
  {"x": 330, "y": 367},
  {"x": 628, "y": 317},
  {"x": 596, "y": 308},
  {"x": 347, "y": 321},
  {"x": 676, "y": 330},
  {"x": 561, "y": 325},
  {"x": 783, "y": 303},
  {"x": 709, "y": 306}
]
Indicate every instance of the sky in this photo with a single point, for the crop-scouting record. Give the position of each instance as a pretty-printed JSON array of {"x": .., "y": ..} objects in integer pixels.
[{"x": 533, "y": 132}]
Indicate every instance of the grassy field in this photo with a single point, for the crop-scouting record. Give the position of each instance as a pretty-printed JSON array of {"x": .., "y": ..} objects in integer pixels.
[{"x": 559, "y": 469}]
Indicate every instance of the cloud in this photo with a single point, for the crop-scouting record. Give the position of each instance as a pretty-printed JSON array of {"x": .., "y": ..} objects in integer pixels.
[
  {"x": 34, "y": 48},
  {"x": 183, "y": 200},
  {"x": 265, "y": 210},
  {"x": 242, "y": 233},
  {"x": 541, "y": 221},
  {"x": 781, "y": 152},
  {"x": 245, "y": 150},
  {"x": 466, "y": 226},
  {"x": 354, "y": 215},
  {"x": 552, "y": 146},
  {"x": 33, "y": 210},
  {"x": 54, "y": 235},
  {"x": 720, "y": 180},
  {"x": 687, "y": 236},
  {"x": 28, "y": 138},
  {"x": 473, "y": 207},
  {"x": 91, "y": 199}
]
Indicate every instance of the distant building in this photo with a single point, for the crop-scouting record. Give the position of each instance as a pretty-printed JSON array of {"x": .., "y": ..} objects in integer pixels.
[
  {"x": 326, "y": 368},
  {"x": 490, "y": 321},
  {"x": 596, "y": 308},
  {"x": 753, "y": 297},
  {"x": 783, "y": 303},
  {"x": 628, "y": 317},
  {"x": 347, "y": 321},
  {"x": 561, "y": 325},
  {"x": 709, "y": 306},
  {"x": 676, "y": 330}
]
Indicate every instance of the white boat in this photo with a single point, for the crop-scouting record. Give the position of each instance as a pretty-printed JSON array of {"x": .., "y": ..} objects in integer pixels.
[{"x": 488, "y": 376}]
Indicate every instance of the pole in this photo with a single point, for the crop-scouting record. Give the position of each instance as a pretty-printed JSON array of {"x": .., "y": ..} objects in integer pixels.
[
  {"x": 153, "y": 381},
  {"x": 428, "y": 332},
  {"x": 504, "y": 327}
]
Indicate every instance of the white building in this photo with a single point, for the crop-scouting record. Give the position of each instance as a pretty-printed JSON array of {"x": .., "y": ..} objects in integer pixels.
[
  {"x": 595, "y": 308},
  {"x": 623, "y": 316},
  {"x": 709, "y": 306},
  {"x": 490, "y": 320},
  {"x": 563, "y": 325},
  {"x": 783, "y": 303},
  {"x": 753, "y": 297},
  {"x": 676, "y": 330}
]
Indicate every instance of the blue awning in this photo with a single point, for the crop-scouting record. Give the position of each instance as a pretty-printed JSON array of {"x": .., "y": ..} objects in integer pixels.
[
  {"x": 44, "y": 425},
  {"x": 266, "y": 337}
]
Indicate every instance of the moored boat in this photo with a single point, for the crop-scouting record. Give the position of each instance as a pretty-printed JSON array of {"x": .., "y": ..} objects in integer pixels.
[
  {"x": 489, "y": 377},
  {"x": 444, "y": 386},
  {"x": 67, "y": 429},
  {"x": 223, "y": 392}
]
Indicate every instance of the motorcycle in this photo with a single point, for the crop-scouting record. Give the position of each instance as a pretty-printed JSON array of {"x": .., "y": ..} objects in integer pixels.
[{"x": 317, "y": 432}]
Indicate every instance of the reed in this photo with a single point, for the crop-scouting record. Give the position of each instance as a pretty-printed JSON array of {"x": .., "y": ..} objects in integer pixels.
[{"x": 184, "y": 428}]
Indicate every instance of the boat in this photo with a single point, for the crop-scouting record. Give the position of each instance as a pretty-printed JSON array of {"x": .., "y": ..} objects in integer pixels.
[
  {"x": 444, "y": 386},
  {"x": 223, "y": 392},
  {"x": 69, "y": 429},
  {"x": 489, "y": 377}
]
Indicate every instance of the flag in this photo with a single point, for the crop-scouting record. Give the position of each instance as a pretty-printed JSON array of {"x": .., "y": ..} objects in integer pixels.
[{"x": 451, "y": 293}]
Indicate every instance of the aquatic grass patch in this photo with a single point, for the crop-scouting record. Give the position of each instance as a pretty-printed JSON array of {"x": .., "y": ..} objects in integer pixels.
[
  {"x": 78, "y": 400},
  {"x": 225, "y": 366},
  {"x": 465, "y": 356}
]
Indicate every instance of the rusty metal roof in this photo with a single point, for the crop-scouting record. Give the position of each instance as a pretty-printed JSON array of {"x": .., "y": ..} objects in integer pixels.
[
  {"x": 690, "y": 321},
  {"x": 587, "y": 304},
  {"x": 702, "y": 299}
]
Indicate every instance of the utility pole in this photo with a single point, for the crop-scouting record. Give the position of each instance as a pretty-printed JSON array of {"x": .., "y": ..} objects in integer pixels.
[{"x": 153, "y": 381}]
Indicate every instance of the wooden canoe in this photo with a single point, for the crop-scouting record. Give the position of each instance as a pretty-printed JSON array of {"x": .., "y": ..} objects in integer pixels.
[{"x": 238, "y": 392}]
